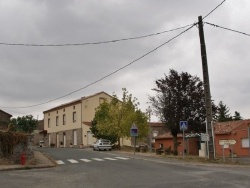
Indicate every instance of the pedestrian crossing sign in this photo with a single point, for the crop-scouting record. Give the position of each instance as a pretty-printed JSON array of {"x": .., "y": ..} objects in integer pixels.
[{"x": 183, "y": 125}]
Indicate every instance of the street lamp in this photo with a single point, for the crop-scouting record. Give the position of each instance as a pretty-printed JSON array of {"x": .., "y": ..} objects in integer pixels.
[{"x": 149, "y": 111}]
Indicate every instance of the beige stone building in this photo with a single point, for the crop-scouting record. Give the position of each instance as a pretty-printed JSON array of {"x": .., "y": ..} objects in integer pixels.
[{"x": 68, "y": 125}]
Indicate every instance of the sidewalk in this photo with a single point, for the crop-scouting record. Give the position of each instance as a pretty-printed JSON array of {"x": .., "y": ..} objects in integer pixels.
[{"x": 41, "y": 161}]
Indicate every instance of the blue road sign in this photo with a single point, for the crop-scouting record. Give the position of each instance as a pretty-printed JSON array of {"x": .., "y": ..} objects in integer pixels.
[
  {"x": 134, "y": 131},
  {"x": 183, "y": 125}
]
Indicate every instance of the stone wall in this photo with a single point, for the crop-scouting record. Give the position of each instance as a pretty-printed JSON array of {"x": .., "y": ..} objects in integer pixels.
[{"x": 15, "y": 156}]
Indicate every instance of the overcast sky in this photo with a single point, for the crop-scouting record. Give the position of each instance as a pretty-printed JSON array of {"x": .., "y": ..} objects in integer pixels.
[{"x": 32, "y": 75}]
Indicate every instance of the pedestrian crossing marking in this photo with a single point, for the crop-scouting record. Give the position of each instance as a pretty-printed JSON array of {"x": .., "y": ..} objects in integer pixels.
[
  {"x": 97, "y": 159},
  {"x": 123, "y": 158},
  {"x": 111, "y": 159},
  {"x": 85, "y": 160},
  {"x": 73, "y": 161},
  {"x": 60, "y": 162}
]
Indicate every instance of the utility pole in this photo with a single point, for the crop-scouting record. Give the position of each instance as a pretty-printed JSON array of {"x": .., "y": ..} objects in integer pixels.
[{"x": 209, "y": 117}]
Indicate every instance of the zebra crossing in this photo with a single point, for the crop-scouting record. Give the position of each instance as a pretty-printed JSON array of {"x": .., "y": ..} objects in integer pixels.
[{"x": 73, "y": 161}]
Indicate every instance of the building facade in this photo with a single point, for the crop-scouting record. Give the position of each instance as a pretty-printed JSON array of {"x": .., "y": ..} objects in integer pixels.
[
  {"x": 4, "y": 120},
  {"x": 236, "y": 131},
  {"x": 68, "y": 125}
]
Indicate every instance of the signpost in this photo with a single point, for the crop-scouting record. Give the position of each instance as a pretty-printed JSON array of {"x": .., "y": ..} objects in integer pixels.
[
  {"x": 183, "y": 127},
  {"x": 134, "y": 133},
  {"x": 227, "y": 142}
]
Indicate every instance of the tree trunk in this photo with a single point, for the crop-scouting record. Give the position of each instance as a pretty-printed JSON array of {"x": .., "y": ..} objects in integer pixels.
[
  {"x": 119, "y": 143},
  {"x": 175, "y": 145}
]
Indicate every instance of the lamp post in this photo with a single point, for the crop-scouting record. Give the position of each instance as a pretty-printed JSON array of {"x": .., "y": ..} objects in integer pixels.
[{"x": 149, "y": 111}]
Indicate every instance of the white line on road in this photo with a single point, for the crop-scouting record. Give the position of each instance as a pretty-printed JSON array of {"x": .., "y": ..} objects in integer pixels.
[
  {"x": 73, "y": 161},
  {"x": 123, "y": 158},
  {"x": 60, "y": 162},
  {"x": 97, "y": 159},
  {"x": 85, "y": 160},
  {"x": 111, "y": 159}
]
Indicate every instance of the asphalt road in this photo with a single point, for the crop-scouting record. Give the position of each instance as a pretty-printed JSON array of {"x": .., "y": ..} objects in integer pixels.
[{"x": 94, "y": 169}]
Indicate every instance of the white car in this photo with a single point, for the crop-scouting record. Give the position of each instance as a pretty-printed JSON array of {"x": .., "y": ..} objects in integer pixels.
[{"x": 102, "y": 144}]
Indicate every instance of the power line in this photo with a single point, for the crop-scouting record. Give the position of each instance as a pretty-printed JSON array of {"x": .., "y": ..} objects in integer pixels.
[
  {"x": 227, "y": 29},
  {"x": 92, "y": 43},
  {"x": 110, "y": 74},
  {"x": 213, "y": 9}
]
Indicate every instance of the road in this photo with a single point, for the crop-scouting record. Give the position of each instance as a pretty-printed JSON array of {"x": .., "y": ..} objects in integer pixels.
[{"x": 95, "y": 169}]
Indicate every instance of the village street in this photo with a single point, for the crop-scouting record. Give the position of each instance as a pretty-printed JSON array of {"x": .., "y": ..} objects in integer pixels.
[{"x": 88, "y": 168}]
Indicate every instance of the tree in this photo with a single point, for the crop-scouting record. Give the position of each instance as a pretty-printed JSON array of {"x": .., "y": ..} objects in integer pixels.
[
  {"x": 223, "y": 113},
  {"x": 180, "y": 97},
  {"x": 25, "y": 124},
  {"x": 115, "y": 118},
  {"x": 237, "y": 116}
]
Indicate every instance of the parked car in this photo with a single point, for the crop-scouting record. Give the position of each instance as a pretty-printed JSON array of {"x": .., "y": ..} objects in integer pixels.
[{"x": 102, "y": 144}]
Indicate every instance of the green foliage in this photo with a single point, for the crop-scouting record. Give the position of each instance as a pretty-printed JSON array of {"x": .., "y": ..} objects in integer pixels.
[
  {"x": 180, "y": 97},
  {"x": 8, "y": 140},
  {"x": 237, "y": 116},
  {"x": 114, "y": 119},
  {"x": 25, "y": 124},
  {"x": 223, "y": 114}
]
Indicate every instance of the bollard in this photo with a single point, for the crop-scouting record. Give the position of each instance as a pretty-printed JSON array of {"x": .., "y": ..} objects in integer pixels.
[{"x": 23, "y": 159}]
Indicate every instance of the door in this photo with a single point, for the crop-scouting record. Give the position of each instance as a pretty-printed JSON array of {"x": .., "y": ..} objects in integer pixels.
[
  {"x": 49, "y": 140},
  {"x": 89, "y": 138},
  {"x": 75, "y": 137},
  {"x": 64, "y": 141},
  {"x": 57, "y": 140}
]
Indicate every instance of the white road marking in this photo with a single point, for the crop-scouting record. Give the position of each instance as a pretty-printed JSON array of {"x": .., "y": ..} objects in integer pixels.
[
  {"x": 73, "y": 161},
  {"x": 85, "y": 160},
  {"x": 123, "y": 158},
  {"x": 60, "y": 162},
  {"x": 111, "y": 159},
  {"x": 97, "y": 159}
]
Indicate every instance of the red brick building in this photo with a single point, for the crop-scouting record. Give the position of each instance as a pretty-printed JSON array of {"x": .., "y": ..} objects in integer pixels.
[
  {"x": 232, "y": 130},
  {"x": 191, "y": 144}
]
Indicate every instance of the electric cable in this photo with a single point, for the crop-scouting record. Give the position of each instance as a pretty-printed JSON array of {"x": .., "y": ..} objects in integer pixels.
[
  {"x": 93, "y": 43},
  {"x": 213, "y": 9},
  {"x": 227, "y": 29},
  {"x": 110, "y": 74}
]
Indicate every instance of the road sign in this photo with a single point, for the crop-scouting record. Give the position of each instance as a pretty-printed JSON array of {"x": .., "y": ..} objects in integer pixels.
[
  {"x": 227, "y": 142},
  {"x": 134, "y": 130},
  {"x": 205, "y": 137},
  {"x": 183, "y": 125}
]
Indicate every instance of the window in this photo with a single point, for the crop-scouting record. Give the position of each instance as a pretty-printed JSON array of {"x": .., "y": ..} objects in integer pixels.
[
  {"x": 49, "y": 123},
  {"x": 101, "y": 100},
  {"x": 64, "y": 119},
  {"x": 57, "y": 120},
  {"x": 245, "y": 142},
  {"x": 74, "y": 116}
]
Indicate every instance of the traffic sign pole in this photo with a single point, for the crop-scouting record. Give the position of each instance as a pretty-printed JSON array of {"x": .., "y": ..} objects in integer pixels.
[
  {"x": 183, "y": 142},
  {"x": 183, "y": 127}
]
